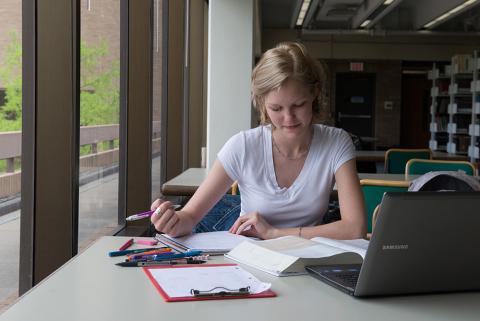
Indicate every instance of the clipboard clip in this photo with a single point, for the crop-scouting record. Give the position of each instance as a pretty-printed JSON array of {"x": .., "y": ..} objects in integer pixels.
[{"x": 220, "y": 291}]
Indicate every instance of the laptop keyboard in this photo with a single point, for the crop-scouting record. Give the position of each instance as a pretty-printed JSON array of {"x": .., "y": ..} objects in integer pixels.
[{"x": 346, "y": 278}]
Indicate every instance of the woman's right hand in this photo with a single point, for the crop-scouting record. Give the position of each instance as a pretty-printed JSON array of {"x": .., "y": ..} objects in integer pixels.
[
  {"x": 166, "y": 219},
  {"x": 253, "y": 224}
]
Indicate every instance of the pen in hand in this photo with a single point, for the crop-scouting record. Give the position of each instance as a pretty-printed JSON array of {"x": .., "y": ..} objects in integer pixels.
[{"x": 139, "y": 216}]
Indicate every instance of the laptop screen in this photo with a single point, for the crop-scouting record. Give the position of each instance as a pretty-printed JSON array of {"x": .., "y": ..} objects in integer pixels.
[{"x": 423, "y": 242}]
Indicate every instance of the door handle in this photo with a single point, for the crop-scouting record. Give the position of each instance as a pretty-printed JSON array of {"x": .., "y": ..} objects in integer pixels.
[{"x": 340, "y": 116}]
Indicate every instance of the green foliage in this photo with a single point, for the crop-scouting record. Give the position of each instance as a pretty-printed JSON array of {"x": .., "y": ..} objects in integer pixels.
[
  {"x": 99, "y": 85},
  {"x": 3, "y": 165},
  {"x": 11, "y": 79}
]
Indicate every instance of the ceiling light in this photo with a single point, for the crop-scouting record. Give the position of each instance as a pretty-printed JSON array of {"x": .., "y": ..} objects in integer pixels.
[
  {"x": 365, "y": 23},
  {"x": 448, "y": 13},
  {"x": 302, "y": 13},
  {"x": 383, "y": 8}
]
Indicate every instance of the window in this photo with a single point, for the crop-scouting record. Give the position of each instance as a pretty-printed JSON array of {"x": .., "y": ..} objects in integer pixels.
[
  {"x": 158, "y": 97},
  {"x": 99, "y": 119},
  {"x": 10, "y": 146}
]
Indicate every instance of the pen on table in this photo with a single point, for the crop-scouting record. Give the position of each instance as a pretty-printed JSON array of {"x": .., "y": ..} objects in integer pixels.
[
  {"x": 148, "y": 255},
  {"x": 152, "y": 263},
  {"x": 126, "y": 245},
  {"x": 126, "y": 252},
  {"x": 167, "y": 250},
  {"x": 139, "y": 216},
  {"x": 163, "y": 257}
]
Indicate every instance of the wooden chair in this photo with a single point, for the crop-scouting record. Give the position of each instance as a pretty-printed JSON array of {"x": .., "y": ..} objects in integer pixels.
[
  {"x": 422, "y": 166},
  {"x": 375, "y": 216},
  {"x": 234, "y": 188},
  {"x": 396, "y": 158},
  {"x": 373, "y": 190}
]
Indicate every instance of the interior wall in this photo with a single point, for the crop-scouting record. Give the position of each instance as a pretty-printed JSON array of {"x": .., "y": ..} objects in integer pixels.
[
  {"x": 230, "y": 63},
  {"x": 387, "y": 46},
  {"x": 381, "y": 55}
]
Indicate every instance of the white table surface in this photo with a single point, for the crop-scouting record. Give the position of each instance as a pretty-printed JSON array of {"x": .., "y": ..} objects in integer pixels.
[
  {"x": 379, "y": 155},
  {"x": 91, "y": 287},
  {"x": 187, "y": 182}
]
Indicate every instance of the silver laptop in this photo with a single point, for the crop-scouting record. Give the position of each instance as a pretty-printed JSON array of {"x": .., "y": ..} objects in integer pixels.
[{"x": 423, "y": 242}]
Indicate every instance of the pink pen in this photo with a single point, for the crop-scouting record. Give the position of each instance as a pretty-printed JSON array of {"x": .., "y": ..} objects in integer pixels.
[
  {"x": 139, "y": 216},
  {"x": 147, "y": 242}
]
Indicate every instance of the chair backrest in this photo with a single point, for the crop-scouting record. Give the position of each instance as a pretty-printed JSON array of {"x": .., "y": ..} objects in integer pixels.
[
  {"x": 375, "y": 216},
  {"x": 422, "y": 166},
  {"x": 234, "y": 189},
  {"x": 373, "y": 190},
  {"x": 397, "y": 158}
]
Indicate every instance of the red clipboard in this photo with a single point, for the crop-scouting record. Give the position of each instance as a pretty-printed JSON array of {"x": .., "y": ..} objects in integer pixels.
[{"x": 167, "y": 298}]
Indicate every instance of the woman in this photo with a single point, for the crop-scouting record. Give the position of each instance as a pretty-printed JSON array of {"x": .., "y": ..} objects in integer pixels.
[{"x": 286, "y": 167}]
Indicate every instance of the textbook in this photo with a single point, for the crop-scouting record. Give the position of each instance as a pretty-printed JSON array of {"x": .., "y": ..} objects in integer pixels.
[{"x": 288, "y": 255}]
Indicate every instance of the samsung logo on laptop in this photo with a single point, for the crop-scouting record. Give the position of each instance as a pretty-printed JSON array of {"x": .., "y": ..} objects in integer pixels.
[{"x": 395, "y": 247}]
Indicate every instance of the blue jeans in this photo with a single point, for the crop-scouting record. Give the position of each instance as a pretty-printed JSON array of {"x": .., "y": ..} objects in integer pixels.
[{"x": 222, "y": 216}]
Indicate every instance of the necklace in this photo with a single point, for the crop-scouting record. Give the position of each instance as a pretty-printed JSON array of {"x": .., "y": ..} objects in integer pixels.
[{"x": 289, "y": 157}]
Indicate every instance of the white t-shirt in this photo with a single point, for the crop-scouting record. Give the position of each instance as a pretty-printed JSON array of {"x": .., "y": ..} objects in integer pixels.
[{"x": 247, "y": 158}]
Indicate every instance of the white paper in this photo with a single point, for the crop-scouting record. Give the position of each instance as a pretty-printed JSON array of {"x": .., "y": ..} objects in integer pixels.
[
  {"x": 178, "y": 282},
  {"x": 314, "y": 248},
  {"x": 287, "y": 255},
  {"x": 359, "y": 246}
]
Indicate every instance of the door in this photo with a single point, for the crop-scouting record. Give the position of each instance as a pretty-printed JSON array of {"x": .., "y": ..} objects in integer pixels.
[
  {"x": 355, "y": 104},
  {"x": 414, "y": 130}
]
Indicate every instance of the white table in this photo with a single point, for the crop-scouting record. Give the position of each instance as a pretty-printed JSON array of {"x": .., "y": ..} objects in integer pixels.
[
  {"x": 91, "y": 287},
  {"x": 379, "y": 156},
  {"x": 187, "y": 182}
]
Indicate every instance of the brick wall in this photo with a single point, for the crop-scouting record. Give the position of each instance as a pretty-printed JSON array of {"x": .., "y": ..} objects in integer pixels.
[{"x": 101, "y": 22}]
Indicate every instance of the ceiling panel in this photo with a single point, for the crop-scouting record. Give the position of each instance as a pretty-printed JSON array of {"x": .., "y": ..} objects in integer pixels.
[{"x": 347, "y": 15}]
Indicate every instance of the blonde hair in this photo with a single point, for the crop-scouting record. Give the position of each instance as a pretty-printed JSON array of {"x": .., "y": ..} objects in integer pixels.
[{"x": 288, "y": 60}]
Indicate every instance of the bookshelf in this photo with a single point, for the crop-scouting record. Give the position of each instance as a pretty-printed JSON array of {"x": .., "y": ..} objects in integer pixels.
[
  {"x": 459, "y": 110},
  {"x": 455, "y": 108},
  {"x": 474, "y": 128},
  {"x": 439, "y": 108}
]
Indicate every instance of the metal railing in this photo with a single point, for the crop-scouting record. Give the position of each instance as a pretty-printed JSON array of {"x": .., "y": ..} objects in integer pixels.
[{"x": 11, "y": 149}]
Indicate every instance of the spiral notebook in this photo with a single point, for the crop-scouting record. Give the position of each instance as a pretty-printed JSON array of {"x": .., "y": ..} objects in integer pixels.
[{"x": 213, "y": 243}]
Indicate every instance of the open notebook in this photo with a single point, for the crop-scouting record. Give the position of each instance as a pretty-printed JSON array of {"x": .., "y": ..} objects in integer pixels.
[{"x": 289, "y": 255}]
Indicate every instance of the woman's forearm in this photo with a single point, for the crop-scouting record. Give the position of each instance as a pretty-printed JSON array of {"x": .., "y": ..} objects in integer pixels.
[{"x": 342, "y": 230}]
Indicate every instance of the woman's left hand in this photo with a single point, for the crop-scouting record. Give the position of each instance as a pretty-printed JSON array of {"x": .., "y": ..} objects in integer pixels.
[{"x": 253, "y": 224}]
